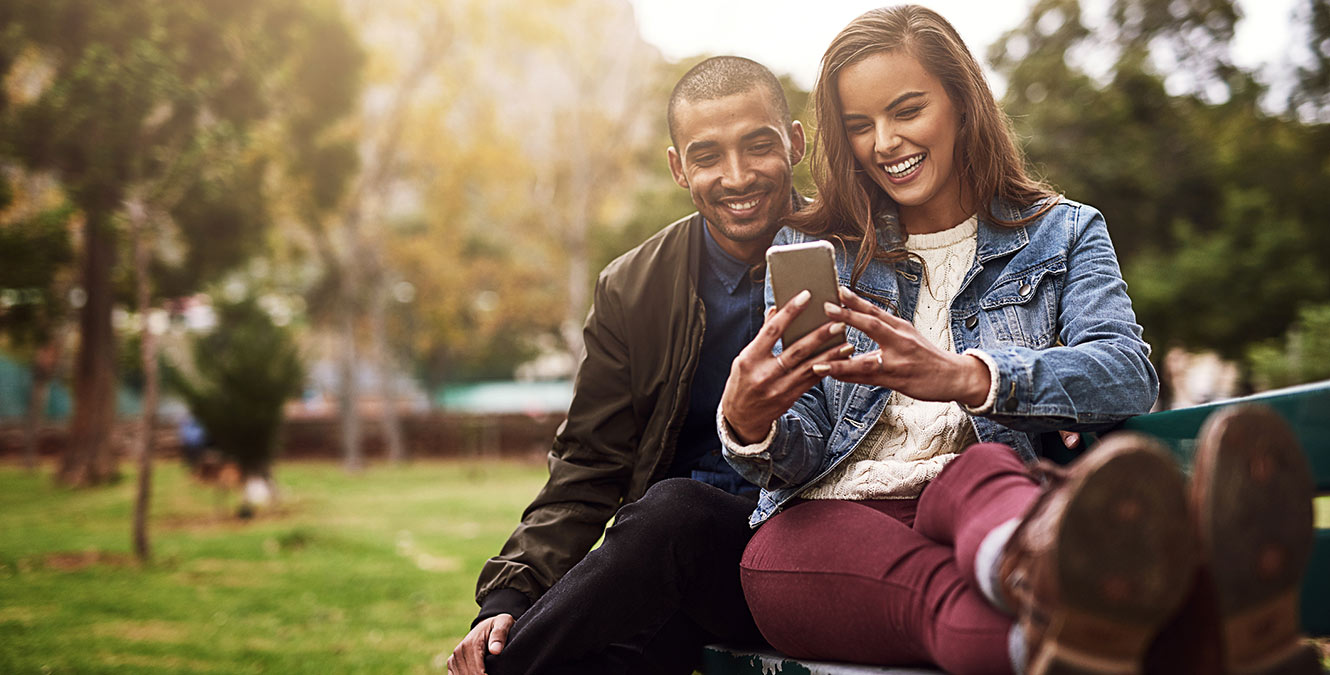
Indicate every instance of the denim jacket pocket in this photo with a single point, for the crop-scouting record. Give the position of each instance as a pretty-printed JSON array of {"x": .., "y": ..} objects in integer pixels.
[{"x": 1023, "y": 306}]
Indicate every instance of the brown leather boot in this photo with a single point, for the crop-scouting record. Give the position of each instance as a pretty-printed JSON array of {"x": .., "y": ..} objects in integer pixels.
[
  {"x": 1251, "y": 498},
  {"x": 1101, "y": 560}
]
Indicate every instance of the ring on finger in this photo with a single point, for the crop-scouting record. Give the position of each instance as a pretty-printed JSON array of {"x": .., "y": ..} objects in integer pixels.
[
  {"x": 880, "y": 363},
  {"x": 782, "y": 364}
]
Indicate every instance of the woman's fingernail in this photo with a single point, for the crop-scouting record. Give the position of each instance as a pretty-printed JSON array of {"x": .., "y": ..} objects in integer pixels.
[
  {"x": 845, "y": 350},
  {"x": 831, "y": 308},
  {"x": 821, "y": 368},
  {"x": 803, "y": 297},
  {"x": 838, "y": 327}
]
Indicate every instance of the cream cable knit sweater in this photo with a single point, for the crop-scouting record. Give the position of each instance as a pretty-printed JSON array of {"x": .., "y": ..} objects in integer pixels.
[{"x": 913, "y": 440}]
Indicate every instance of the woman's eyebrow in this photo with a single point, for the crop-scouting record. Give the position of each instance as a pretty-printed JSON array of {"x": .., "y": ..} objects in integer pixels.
[
  {"x": 904, "y": 97},
  {"x": 907, "y": 96}
]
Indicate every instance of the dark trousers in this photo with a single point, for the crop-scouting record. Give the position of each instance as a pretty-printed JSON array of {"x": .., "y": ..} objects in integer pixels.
[
  {"x": 663, "y": 583},
  {"x": 891, "y": 582}
]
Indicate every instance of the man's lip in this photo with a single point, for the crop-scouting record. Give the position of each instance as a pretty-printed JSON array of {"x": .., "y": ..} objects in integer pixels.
[{"x": 743, "y": 204}]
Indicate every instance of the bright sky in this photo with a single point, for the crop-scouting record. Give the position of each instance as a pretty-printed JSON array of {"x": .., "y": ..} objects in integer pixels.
[{"x": 789, "y": 36}]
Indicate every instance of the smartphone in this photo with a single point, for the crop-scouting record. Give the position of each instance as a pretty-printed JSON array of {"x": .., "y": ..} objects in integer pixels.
[{"x": 808, "y": 266}]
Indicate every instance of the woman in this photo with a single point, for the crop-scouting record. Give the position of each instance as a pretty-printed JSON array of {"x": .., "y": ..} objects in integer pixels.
[{"x": 899, "y": 522}]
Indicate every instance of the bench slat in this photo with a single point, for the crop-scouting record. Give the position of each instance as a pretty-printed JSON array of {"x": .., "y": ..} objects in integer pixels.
[
  {"x": 1306, "y": 408},
  {"x": 725, "y": 660}
]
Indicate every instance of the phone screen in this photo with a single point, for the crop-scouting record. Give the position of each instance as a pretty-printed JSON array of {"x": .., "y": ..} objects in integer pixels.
[{"x": 808, "y": 266}]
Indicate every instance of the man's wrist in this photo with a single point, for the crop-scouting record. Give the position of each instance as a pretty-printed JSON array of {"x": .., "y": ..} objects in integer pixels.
[{"x": 503, "y": 601}]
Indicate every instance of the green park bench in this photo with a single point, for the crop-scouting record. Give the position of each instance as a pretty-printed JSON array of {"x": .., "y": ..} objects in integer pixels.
[{"x": 1306, "y": 408}]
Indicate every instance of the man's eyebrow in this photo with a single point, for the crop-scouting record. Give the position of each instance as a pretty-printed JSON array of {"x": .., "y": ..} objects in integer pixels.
[
  {"x": 758, "y": 133},
  {"x": 698, "y": 146},
  {"x": 890, "y": 106}
]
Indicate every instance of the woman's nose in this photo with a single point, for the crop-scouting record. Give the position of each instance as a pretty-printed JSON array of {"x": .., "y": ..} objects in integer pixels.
[{"x": 886, "y": 141}]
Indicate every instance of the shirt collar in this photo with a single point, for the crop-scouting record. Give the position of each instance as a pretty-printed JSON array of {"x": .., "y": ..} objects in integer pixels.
[{"x": 729, "y": 270}]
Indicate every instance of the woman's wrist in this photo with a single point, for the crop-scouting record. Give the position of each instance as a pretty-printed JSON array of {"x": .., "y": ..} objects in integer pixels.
[
  {"x": 745, "y": 434},
  {"x": 738, "y": 446},
  {"x": 974, "y": 380}
]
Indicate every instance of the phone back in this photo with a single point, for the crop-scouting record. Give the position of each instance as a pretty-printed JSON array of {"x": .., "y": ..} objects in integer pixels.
[{"x": 796, "y": 267}]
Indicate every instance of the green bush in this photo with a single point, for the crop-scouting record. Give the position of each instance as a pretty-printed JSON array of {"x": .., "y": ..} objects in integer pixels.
[
  {"x": 1303, "y": 355},
  {"x": 241, "y": 376}
]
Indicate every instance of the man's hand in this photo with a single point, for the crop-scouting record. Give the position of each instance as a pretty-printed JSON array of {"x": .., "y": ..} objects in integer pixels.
[{"x": 491, "y": 634}]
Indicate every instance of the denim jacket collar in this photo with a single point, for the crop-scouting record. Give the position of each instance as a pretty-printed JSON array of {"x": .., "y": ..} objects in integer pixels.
[{"x": 994, "y": 240}]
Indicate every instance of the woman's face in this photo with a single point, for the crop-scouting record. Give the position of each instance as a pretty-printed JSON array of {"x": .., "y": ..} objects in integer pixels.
[{"x": 902, "y": 128}]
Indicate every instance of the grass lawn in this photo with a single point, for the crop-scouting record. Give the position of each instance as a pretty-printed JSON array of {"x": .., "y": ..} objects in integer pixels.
[{"x": 350, "y": 574}]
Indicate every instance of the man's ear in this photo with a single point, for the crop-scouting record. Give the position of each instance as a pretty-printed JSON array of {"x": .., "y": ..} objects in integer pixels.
[
  {"x": 676, "y": 167},
  {"x": 798, "y": 144}
]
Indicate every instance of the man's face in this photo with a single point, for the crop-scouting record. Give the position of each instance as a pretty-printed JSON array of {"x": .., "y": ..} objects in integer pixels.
[{"x": 736, "y": 158}]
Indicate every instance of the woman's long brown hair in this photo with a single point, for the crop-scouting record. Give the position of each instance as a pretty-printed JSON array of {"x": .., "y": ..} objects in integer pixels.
[{"x": 991, "y": 166}]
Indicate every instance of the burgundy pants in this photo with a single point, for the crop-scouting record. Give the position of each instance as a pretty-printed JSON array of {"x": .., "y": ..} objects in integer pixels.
[{"x": 890, "y": 582}]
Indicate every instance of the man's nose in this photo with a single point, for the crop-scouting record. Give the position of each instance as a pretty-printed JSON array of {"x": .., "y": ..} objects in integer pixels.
[{"x": 737, "y": 173}]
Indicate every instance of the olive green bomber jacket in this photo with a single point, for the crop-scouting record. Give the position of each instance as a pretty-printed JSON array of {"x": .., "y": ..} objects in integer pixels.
[{"x": 643, "y": 336}]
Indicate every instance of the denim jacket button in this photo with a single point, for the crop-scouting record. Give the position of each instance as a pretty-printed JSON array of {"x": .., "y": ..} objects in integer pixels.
[
  {"x": 972, "y": 321},
  {"x": 1024, "y": 290},
  {"x": 1011, "y": 404}
]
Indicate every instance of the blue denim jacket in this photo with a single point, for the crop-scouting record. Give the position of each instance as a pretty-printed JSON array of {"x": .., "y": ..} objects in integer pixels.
[{"x": 1045, "y": 300}]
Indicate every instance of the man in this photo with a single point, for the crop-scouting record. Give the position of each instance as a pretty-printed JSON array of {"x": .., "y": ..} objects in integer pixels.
[{"x": 667, "y": 320}]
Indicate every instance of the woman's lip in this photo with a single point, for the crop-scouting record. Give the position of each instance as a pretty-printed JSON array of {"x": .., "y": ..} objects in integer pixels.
[{"x": 908, "y": 176}]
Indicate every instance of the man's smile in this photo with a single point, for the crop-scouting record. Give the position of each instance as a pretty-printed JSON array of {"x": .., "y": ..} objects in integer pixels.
[{"x": 742, "y": 206}]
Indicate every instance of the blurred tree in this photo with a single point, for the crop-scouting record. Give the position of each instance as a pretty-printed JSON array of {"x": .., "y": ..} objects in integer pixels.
[
  {"x": 1303, "y": 355},
  {"x": 589, "y": 65},
  {"x": 1211, "y": 200},
  {"x": 525, "y": 144},
  {"x": 237, "y": 381},
  {"x": 144, "y": 111},
  {"x": 1311, "y": 98},
  {"x": 357, "y": 170},
  {"x": 36, "y": 252}
]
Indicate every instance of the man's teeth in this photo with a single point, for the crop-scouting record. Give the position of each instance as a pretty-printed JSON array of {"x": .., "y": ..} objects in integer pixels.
[
  {"x": 902, "y": 167},
  {"x": 743, "y": 206}
]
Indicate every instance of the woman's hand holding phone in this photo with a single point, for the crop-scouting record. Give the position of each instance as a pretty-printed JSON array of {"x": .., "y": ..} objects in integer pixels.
[
  {"x": 904, "y": 361},
  {"x": 761, "y": 387}
]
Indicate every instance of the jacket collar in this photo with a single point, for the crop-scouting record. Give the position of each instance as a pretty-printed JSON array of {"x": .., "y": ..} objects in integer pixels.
[
  {"x": 994, "y": 240},
  {"x": 997, "y": 240}
]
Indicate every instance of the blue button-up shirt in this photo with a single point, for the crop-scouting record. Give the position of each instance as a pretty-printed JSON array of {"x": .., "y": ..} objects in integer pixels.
[{"x": 731, "y": 292}]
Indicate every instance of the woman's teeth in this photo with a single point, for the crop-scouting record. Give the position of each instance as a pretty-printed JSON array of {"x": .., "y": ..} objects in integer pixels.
[{"x": 903, "y": 167}]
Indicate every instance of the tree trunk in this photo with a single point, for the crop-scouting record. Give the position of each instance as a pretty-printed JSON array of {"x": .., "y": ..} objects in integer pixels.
[
  {"x": 392, "y": 425},
  {"x": 348, "y": 392},
  {"x": 43, "y": 371},
  {"x": 90, "y": 457},
  {"x": 148, "y": 352}
]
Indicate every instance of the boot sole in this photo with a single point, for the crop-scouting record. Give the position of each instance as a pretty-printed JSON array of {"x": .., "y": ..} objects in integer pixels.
[
  {"x": 1126, "y": 555},
  {"x": 1252, "y": 496}
]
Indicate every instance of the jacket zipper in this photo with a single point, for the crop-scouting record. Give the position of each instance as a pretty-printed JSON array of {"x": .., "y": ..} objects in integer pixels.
[{"x": 666, "y": 457}]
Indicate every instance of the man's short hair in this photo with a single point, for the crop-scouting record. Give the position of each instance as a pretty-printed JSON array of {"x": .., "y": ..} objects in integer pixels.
[{"x": 721, "y": 76}]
